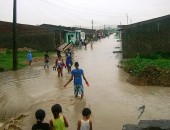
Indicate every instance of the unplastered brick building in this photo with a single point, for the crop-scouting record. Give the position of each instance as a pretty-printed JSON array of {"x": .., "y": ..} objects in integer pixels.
[
  {"x": 146, "y": 37},
  {"x": 30, "y": 36}
]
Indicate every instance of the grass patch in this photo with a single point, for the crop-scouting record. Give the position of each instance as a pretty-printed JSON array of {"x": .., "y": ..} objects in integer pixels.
[
  {"x": 137, "y": 65},
  {"x": 151, "y": 70},
  {"x": 6, "y": 58}
]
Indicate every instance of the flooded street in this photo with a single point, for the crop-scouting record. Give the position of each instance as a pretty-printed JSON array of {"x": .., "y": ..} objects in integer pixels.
[{"x": 111, "y": 98}]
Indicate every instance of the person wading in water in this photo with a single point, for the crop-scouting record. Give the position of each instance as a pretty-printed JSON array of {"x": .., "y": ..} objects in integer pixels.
[{"x": 78, "y": 85}]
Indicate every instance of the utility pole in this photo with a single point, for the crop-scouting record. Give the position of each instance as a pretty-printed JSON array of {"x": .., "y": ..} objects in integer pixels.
[
  {"x": 127, "y": 17},
  {"x": 92, "y": 24},
  {"x": 92, "y": 28},
  {"x": 104, "y": 31},
  {"x": 15, "y": 59},
  {"x": 53, "y": 32}
]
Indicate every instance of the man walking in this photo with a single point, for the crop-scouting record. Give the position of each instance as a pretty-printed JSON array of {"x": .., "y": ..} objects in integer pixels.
[{"x": 78, "y": 85}]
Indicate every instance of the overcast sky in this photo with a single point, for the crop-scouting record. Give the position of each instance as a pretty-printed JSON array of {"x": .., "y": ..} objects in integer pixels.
[{"x": 82, "y": 12}]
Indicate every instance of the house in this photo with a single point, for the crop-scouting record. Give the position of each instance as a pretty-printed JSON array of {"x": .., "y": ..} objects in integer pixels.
[
  {"x": 146, "y": 37},
  {"x": 71, "y": 36},
  {"x": 65, "y": 34},
  {"x": 75, "y": 36},
  {"x": 43, "y": 37},
  {"x": 59, "y": 32}
]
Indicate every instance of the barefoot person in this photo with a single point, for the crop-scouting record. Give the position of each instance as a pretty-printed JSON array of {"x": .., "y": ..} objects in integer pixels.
[
  {"x": 59, "y": 64},
  {"x": 78, "y": 85}
]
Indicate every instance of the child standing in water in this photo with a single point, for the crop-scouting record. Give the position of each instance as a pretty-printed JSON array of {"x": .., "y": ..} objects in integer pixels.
[
  {"x": 59, "y": 122},
  {"x": 29, "y": 57},
  {"x": 40, "y": 115},
  {"x": 69, "y": 62},
  {"x": 85, "y": 123},
  {"x": 46, "y": 60},
  {"x": 59, "y": 64}
]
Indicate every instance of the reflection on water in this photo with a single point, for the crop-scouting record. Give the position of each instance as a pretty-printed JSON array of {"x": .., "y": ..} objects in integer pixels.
[{"x": 113, "y": 101}]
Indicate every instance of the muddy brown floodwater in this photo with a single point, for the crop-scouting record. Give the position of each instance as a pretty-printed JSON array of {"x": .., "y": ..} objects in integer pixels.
[{"x": 113, "y": 101}]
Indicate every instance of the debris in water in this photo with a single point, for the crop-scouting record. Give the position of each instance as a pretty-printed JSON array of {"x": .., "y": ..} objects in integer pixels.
[
  {"x": 141, "y": 109},
  {"x": 13, "y": 122}
]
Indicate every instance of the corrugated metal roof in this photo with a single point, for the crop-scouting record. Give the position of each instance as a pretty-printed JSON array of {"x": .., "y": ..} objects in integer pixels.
[{"x": 143, "y": 22}]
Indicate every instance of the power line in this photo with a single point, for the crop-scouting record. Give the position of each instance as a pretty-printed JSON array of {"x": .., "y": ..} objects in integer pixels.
[
  {"x": 53, "y": 15},
  {"x": 56, "y": 12},
  {"x": 66, "y": 11},
  {"x": 73, "y": 13},
  {"x": 72, "y": 5},
  {"x": 76, "y": 10}
]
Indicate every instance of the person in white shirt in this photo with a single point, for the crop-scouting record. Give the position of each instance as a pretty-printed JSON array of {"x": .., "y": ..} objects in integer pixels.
[{"x": 85, "y": 123}]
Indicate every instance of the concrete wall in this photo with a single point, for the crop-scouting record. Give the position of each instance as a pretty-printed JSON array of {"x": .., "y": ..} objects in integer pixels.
[{"x": 147, "y": 38}]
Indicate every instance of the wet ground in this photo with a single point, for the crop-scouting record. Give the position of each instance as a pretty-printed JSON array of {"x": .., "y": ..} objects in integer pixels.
[{"x": 113, "y": 101}]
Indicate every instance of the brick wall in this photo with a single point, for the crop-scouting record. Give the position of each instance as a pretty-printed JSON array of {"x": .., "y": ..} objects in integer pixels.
[
  {"x": 38, "y": 41},
  {"x": 35, "y": 37},
  {"x": 147, "y": 38}
]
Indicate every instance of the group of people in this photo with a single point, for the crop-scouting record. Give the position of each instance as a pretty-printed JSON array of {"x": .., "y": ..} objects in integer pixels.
[
  {"x": 81, "y": 43},
  {"x": 59, "y": 63},
  {"x": 76, "y": 73},
  {"x": 46, "y": 58},
  {"x": 59, "y": 121}
]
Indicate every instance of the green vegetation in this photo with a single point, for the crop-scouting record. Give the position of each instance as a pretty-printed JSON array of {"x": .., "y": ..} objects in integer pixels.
[
  {"x": 137, "y": 65},
  {"x": 6, "y": 59},
  {"x": 148, "y": 70}
]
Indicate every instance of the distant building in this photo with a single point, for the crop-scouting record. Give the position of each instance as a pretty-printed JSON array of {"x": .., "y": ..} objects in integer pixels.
[
  {"x": 70, "y": 37},
  {"x": 43, "y": 37}
]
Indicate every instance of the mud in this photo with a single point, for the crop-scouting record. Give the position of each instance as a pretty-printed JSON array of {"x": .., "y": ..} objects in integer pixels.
[{"x": 152, "y": 76}]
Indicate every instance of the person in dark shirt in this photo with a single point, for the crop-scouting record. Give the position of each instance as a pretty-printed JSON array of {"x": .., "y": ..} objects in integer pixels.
[
  {"x": 58, "y": 52},
  {"x": 69, "y": 61},
  {"x": 46, "y": 60},
  {"x": 40, "y": 115}
]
